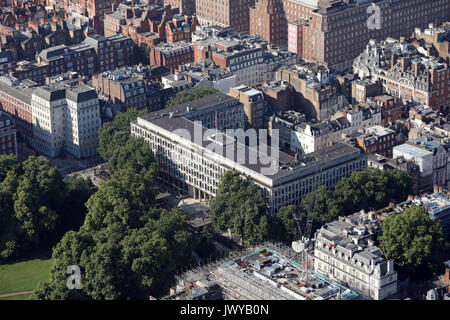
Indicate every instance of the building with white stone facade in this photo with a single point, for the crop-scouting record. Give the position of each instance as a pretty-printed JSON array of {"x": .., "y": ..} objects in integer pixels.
[
  {"x": 432, "y": 158},
  {"x": 65, "y": 119},
  {"x": 422, "y": 157},
  {"x": 303, "y": 137},
  {"x": 362, "y": 117},
  {"x": 344, "y": 251},
  {"x": 193, "y": 158}
]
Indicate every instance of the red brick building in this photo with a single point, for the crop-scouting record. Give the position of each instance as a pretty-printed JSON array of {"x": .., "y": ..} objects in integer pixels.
[
  {"x": 8, "y": 141},
  {"x": 377, "y": 140},
  {"x": 336, "y": 32},
  {"x": 21, "y": 12},
  {"x": 147, "y": 25},
  {"x": 94, "y": 9},
  {"x": 187, "y": 7},
  {"x": 180, "y": 29},
  {"x": 172, "y": 55},
  {"x": 224, "y": 13},
  {"x": 410, "y": 86},
  {"x": 139, "y": 22},
  {"x": 266, "y": 20},
  {"x": 7, "y": 63},
  {"x": 15, "y": 99},
  {"x": 391, "y": 109},
  {"x": 110, "y": 52}
]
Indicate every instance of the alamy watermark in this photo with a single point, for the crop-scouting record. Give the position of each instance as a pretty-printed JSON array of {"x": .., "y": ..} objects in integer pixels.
[
  {"x": 74, "y": 280},
  {"x": 247, "y": 147},
  {"x": 374, "y": 21}
]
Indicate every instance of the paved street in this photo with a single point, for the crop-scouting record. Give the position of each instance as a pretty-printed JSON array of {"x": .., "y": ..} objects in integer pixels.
[{"x": 66, "y": 165}]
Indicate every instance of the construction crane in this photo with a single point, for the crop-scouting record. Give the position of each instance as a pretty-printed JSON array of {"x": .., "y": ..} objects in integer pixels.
[{"x": 305, "y": 237}]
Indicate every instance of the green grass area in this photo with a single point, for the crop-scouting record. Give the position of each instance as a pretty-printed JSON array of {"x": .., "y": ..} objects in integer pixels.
[
  {"x": 20, "y": 297},
  {"x": 23, "y": 276}
]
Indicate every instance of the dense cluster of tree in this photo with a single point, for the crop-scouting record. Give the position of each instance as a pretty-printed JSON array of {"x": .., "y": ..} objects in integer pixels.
[
  {"x": 369, "y": 189},
  {"x": 115, "y": 134},
  {"x": 37, "y": 204},
  {"x": 186, "y": 96},
  {"x": 240, "y": 208},
  {"x": 126, "y": 248},
  {"x": 411, "y": 238}
]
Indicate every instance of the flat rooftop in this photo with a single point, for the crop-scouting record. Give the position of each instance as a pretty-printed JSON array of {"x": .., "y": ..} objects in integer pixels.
[
  {"x": 266, "y": 272},
  {"x": 412, "y": 149},
  {"x": 282, "y": 166}
]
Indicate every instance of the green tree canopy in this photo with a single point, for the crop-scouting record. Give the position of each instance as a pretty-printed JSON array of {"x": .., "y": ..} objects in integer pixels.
[
  {"x": 38, "y": 206},
  {"x": 288, "y": 230},
  {"x": 240, "y": 207},
  {"x": 372, "y": 189},
  {"x": 186, "y": 96},
  {"x": 115, "y": 134},
  {"x": 126, "y": 248},
  {"x": 369, "y": 189},
  {"x": 410, "y": 238},
  {"x": 119, "y": 262}
]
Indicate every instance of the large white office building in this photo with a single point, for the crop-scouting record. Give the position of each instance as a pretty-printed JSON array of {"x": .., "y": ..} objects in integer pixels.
[
  {"x": 65, "y": 118},
  {"x": 344, "y": 250},
  {"x": 193, "y": 158}
]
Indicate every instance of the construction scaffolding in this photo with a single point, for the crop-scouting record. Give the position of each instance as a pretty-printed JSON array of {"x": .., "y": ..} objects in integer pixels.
[{"x": 238, "y": 280}]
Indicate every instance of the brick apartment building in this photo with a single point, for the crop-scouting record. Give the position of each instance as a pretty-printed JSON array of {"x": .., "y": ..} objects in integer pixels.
[
  {"x": 391, "y": 109},
  {"x": 187, "y": 7},
  {"x": 111, "y": 52},
  {"x": 15, "y": 99},
  {"x": 7, "y": 63},
  {"x": 123, "y": 86},
  {"x": 8, "y": 142},
  {"x": 94, "y": 9},
  {"x": 266, "y": 21},
  {"x": 31, "y": 70},
  {"x": 172, "y": 55},
  {"x": 180, "y": 29},
  {"x": 377, "y": 139},
  {"x": 409, "y": 76},
  {"x": 96, "y": 53},
  {"x": 335, "y": 32},
  {"x": 62, "y": 58},
  {"x": 225, "y": 13},
  {"x": 144, "y": 23}
]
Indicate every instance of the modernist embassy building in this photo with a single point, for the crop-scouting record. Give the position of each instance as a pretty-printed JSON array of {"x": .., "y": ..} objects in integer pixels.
[{"x": 195, "y": 167}]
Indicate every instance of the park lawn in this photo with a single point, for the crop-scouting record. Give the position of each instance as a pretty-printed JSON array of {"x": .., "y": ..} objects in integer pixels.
[
  {"x": 23, "y": 276},
  {"x": 19, "y": 297}
]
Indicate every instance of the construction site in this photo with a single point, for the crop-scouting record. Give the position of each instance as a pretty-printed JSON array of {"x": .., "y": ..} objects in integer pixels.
[{"x": 270, "y": 271}]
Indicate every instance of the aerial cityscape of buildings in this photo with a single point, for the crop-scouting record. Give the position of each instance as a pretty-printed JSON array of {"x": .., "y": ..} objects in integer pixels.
[{"x": 301, "y": 94}]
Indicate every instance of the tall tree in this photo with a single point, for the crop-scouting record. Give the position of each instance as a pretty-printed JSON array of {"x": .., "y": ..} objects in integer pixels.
[
  {"x": 410, "y": 238},
  {"x": 240, "y": 207},
  {"x": 114, "y": 135},
  {"x": 288, "y": 227}
]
